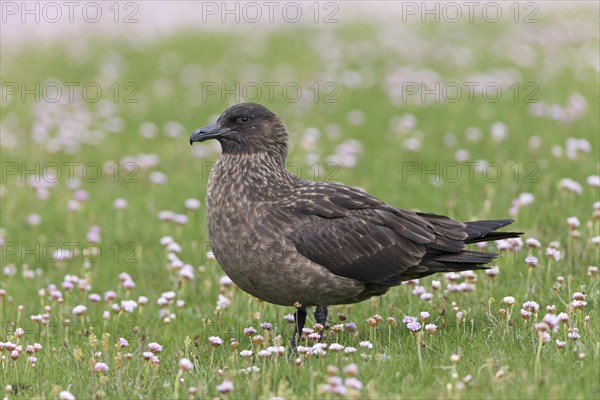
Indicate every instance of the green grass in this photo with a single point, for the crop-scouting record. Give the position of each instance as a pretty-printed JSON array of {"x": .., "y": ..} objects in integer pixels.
[{"x": 500, "y": 356}]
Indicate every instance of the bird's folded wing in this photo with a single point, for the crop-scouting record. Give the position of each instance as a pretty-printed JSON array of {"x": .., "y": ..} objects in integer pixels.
[{"x": 357, "y": 236}]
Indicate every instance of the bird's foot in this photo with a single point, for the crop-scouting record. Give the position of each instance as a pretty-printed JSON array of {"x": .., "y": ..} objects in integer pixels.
[{"x": 300, "y": 320}]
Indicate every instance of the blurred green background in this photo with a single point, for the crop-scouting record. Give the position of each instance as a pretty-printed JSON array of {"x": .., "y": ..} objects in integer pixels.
[{"x": 370, "y": 99}]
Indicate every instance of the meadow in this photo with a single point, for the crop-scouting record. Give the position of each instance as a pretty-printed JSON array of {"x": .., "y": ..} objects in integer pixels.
[{"x": 108, "y": 287}]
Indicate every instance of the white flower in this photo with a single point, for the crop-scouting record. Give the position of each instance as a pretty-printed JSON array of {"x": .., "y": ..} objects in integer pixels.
[
  {"x": 223, "y": 301},
  {"x": 225, "y": 281},
  {"x": 66, "y": 395},
  {"x": 264, "y": 353},
  {"x": 158, "y": 178},
  {"x": 366, "y": 344},
  {"x": 531, "y": 260},
  {"x": 246, "y": 353},
  {"x": 593, "y": 180},
  {"x": 165, "y": 240},
  {"x": 185, "y": 364},
  {"x": 571, "y": 186},
  {"x": 573, "y": 222},
  {"x": 499, "y": 131},
  {"x": 336, "y": 347},
  {"x": 509, "y": 301}
]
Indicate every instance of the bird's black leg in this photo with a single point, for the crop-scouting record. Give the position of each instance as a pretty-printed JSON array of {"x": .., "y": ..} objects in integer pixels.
[
  {"x": 300, "y": 318},
  {"x": 321, "y": 316}
]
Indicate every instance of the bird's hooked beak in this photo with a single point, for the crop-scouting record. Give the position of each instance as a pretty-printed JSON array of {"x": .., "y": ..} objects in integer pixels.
[{"x": 208, "y": 132}]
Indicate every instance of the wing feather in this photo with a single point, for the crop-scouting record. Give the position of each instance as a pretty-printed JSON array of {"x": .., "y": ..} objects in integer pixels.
[{"x": 357, "y": 236}]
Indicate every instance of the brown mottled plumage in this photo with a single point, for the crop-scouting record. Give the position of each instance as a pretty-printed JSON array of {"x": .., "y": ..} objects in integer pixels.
[{"x": 294, "y": 242}]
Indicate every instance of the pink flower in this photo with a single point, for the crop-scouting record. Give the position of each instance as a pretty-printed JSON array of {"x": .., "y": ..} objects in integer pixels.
[
  {"x": 109, "y": 296},
  {"x": 426, "y": 296},
  {"x": 62, "y": 255},
  {"x": 120, "y": 204},
  {"x": 225, "y": 387},
  {"x": 414, "y": 326},
  {"x": 124, "y": 276},
  {"x": 34, "y": 219},
  {"x": 128, "y": 284},
  {"x": 531, "y": 306},
  {"x": 192, "y": 204},
  {"x": 353, "y": 383},
  {"x": 101, "y": 367},
  {"x": 250, "y": 331},
  {"x": 181, "y": 219},
  {"x": 81, "y": 195},
  {"x": 573, "y": 222},
  {"x": 266, "y": 326},
  {"x": 492, "y": 272},
  {"x": 573, "y": 334},
  {"x": 289, "y": 318},
  {"x": 79, "y": 310},
  {"x": 94, "y": 297},
  {"x": 155, "y": 347},
  {"x": 551, "y": 320}
]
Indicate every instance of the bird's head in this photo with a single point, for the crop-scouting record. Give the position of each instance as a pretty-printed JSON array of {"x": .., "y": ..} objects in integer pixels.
[{"x": 247, "y": 128}]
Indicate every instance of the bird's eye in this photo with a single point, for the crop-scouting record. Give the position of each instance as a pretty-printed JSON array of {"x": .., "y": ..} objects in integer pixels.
[{"x": 243, "y": 119}]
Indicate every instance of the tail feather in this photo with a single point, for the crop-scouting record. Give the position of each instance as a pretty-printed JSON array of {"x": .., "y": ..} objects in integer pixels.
[
  {"x": 480, "y": 231},
  {"x": 437, "y": 260},
  {"x": 443, "y": 256}
]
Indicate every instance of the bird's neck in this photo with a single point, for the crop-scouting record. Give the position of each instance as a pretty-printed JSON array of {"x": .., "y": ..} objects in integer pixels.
[
  {"x": 252, "y": 176},
  {"x": 261, "y": 162}
]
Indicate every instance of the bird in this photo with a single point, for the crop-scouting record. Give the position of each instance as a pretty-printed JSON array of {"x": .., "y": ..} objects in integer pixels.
[{"x": 300, "y": 243}]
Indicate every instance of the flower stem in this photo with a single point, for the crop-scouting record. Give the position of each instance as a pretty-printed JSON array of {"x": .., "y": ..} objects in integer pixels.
[
  {"x": 419, "y": 355},
  {"x": 538, "y": 356}
]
